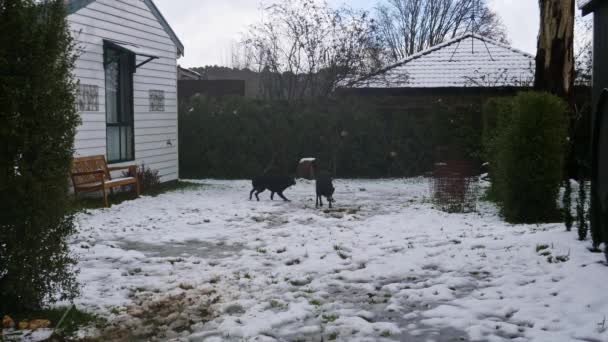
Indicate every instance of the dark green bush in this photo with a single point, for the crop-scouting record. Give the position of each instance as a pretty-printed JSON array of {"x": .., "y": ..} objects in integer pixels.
[
  {"x": 581, "y": 212},
  {"x": 567, "y": 205},
  {"x": 351, "y": 137},
  {"x": 526, "y": 149},
  {"x": 37, "y": 127},
  {"x": 496, "y": 117}
]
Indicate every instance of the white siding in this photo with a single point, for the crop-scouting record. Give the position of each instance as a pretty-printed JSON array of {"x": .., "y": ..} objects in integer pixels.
[{"x": 155, "y": 133}]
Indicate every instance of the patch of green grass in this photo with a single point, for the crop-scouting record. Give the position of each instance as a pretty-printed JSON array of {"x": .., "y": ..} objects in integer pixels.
[
  {"x": 541, "y": 247},
  {"x": 261, "y": 250},
  {"x": 315, "y": 302},
  {"x": 333, "y": 336},
  {"x": 385, "y": 333},
  {"x": 275, "y": 304},
  {"x": 85, "y": 201},
  {"x": 75, "y": 319},
  {"x": 329, "y": 317}
]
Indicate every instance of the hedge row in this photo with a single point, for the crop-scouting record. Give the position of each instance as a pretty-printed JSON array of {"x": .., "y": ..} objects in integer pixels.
[{"x": 236, "y": 137}]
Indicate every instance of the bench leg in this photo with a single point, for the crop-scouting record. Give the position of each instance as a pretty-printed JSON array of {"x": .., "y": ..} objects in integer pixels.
[
  {"x": 137, "y": 190},
  {"x": 105, "y": 197}
]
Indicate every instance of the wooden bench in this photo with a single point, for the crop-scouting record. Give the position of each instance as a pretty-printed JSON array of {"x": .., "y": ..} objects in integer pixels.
[{"x": 93, "y": 174}]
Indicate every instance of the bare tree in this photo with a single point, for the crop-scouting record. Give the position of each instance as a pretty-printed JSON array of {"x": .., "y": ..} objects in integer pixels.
[
  {"x": 583, "y": 50},
  {"x": 409, "y": 26},
  {"x": 306, "y": 48}
]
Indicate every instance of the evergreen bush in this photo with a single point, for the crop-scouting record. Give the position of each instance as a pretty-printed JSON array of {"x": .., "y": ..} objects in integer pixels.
[
  {"x": 37, "y": 126},
  {"x": 581, "y": 213},
  {"x": 528, "y": 157},
  {"x": 567, "y": 205}
]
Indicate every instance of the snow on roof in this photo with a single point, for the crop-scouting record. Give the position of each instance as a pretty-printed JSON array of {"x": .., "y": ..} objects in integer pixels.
[{"x": 466, "y": 61}]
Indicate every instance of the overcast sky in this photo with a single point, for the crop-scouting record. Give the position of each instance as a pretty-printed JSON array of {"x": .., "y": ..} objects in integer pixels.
[{"x": 209, "y": 28}]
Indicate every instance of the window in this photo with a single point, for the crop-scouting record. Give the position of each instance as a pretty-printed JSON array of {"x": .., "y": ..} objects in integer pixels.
[
  {"x": 157, "y": 100},
  {"x": 119, "y": 68},
  {"x": 87, "y": 98}
]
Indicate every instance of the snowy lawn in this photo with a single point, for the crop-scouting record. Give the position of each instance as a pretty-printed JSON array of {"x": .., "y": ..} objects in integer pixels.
[{"x": 210, "y": 265}]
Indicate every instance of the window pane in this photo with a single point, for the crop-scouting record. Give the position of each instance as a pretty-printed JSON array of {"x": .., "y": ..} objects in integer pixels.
[
  {"x": 113, "y": 143},
  {"x": 112, "y": 82},
  {"x": 126, "y": 138},
  {"x": 126, "y": 87}
]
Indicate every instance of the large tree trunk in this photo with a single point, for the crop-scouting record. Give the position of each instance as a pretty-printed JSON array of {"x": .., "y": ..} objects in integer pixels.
[{"x": 555, "y": 53}]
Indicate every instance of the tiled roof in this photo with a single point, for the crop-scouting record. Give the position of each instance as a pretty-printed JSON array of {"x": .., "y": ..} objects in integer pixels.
[{"x": 466, "y": 61}]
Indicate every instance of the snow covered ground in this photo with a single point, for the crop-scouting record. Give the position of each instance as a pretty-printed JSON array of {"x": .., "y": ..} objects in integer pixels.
[{"x": 210, "y": 265}]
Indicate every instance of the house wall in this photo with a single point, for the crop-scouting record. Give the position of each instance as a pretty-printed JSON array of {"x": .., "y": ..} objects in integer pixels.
[{"x": 155, "y": 132}]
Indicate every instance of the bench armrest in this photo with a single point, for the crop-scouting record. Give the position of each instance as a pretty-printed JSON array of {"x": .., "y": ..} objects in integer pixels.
[{"x": 126, "y": 167}]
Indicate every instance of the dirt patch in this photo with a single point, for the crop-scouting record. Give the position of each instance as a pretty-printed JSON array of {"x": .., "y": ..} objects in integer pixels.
[{"x": 154, "y": 317}]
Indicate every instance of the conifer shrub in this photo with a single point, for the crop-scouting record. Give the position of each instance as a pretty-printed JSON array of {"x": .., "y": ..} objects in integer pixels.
[
  {"x": 581, "y": 212},
  {"x": 527, "y": 153},
  {"x": 38, "y": 121},
  {"x": 567, "y": 205}
]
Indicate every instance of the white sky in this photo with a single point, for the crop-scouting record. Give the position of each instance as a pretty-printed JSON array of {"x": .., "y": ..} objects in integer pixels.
[{"x": 209, "y": 28}]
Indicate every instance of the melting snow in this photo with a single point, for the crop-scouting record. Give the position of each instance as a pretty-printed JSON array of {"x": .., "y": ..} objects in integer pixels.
[{"x": 382, "y": 266}]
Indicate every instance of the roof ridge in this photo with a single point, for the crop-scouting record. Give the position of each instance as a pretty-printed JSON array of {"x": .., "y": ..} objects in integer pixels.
[
  {"x": 74, "y": 6},
  {"x": 442, "y": 46},
  {"x": 500, "y": 44}
]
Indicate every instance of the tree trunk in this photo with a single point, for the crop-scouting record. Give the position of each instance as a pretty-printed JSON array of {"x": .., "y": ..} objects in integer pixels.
[{"x": 555, "y": 53}]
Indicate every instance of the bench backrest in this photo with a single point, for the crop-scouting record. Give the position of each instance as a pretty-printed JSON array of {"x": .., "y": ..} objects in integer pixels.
[{"x": 87, "y": 164}]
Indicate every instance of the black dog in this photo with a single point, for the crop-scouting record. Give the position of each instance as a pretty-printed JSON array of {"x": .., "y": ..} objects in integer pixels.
[
  {"x": 276, "y": 184},
  {"x": 324, "y": 188}
]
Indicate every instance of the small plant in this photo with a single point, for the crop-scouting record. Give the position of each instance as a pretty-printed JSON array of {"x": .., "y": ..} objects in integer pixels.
[
  {"x": 581, "y": 216},
  {"x": 567, "y": 205},
  {"x": 275, "y": 304},
  {"x": 343, "y": 255},
  {"x": 261, "y": 250},
  {"x": 541, "y": 247},
  {"x": 601, "y": 327},
  {"x": 315, "y": 302},
  {"x": 148, "y": 178},
  {"x": 386, "y": 333},
  {"x": 329, "y": 317},
  {"x": 333, "y": 336}
]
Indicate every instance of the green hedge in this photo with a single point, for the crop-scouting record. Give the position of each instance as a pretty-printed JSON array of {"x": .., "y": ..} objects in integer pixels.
[
  {"x": 236, "y": 137},
  {"x": 525, "y": 142},
  {"x": 37, "y": 127}
]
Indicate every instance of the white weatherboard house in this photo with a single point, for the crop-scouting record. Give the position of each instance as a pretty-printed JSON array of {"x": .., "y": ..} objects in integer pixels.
[{"x": 127, "y": 74}]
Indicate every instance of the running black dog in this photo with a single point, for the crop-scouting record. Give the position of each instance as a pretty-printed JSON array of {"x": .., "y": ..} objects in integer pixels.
[
  {"x": 276, "y": 184},
  {"x": 325, "y": 188}
]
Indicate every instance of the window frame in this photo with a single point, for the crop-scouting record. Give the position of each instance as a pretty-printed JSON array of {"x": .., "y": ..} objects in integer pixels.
[{"x": 121, "y": 123}]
